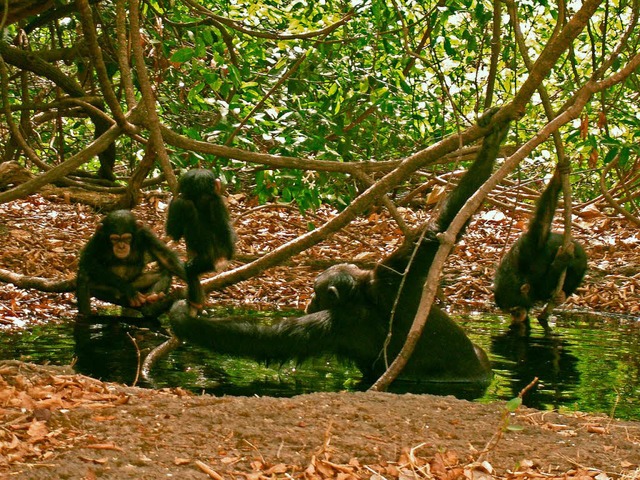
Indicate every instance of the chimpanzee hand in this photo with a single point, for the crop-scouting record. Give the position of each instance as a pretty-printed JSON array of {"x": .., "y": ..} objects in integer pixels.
[
  {"x": 154, "y": 297},
  {"x": 137, "y": 300},
  {"x": 140, "y": 299}
]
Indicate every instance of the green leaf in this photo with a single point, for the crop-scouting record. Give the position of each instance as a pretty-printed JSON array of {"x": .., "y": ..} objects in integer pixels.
[
  {"x": 183, "y": 55},
  {"x": 406, "y": 88},
  {"x": 513, "y": 404},
  {"x": 611, "y": 154},
  {"x": 624, "y": 155},
  {"x": 448, "y": 48},
  {"x": 515, "y": 428}
]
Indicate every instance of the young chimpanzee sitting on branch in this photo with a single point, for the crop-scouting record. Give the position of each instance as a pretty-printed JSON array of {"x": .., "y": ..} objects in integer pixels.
[
  {"x": 200, "y": 216},
  {"x": 365, "y": 315},
  {"x": 112, "y": 265},
  {"x": 530, "y": 271}
]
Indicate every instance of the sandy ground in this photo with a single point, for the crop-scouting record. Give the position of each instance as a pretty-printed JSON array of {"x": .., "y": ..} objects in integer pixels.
[{"x": 59, "y": 425}]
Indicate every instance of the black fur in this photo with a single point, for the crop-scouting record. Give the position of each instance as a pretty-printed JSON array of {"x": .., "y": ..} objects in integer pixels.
[
  {"x": 350, "y": 313},
  {"x": 200, "y": 216},
  {"x": 531, "y": 269},
  {"x": 102, "y": 275}
]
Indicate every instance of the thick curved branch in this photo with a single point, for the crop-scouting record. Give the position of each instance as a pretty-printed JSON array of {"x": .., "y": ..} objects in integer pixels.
[
  {"x": 39, "y": 283},
  {"x": 149, "y": 98},
  {"x": 275, "y": 161},
  {"x": 89, "y": 30}
]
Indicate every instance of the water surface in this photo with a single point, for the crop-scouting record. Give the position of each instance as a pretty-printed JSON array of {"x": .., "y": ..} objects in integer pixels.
[{"x": 591, "y": 362}]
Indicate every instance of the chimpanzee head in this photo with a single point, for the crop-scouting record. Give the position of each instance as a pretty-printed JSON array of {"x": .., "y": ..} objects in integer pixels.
[
  {"x": 199, "y": 182},
  {"x": 119, "y": 228},
  {"x": 514, "y": 299},
  {"x": 339, "y": 285},
  {"x": 519, "y": 315}
]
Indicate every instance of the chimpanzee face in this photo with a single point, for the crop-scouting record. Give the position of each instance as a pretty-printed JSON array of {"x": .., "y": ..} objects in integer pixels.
[
  {"x": 119, "y": 229},
  {"x": 121, "y": 245}
]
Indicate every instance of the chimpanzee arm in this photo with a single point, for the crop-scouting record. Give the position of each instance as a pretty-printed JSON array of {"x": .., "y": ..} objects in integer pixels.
[
  {"x": 218, "y": 218},
  {"x": 388, "y": 274},
  {"x": 476, "y": 175},
  {"x": 292, "y": 338},
  {"x": 83, "y": 293},
  {"x": 540, "y": 225},
  {"x": 181, "y": 212},
  {"x": 166, "y": 257}
]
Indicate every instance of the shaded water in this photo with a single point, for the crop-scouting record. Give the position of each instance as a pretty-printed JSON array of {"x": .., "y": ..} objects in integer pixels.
[{"x": 591, "y": 363}]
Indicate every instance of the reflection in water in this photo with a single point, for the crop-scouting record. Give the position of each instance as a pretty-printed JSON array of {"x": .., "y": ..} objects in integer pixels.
[
  {"x": 590, "y": 363},
  {"x": 111, "y": 348},
  {"x": 546, "y": 357}
]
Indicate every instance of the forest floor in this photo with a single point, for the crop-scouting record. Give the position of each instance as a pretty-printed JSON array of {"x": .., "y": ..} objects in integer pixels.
[{"x": 56, "y": 424}]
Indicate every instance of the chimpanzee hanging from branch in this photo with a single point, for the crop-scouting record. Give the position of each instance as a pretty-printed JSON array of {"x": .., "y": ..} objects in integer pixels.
[
  {"x": 531, "y": 270},
  {"x": 199, "y": 215},
  {"x": 354, "y": 313},
  {"x": 112, "y": 265}
]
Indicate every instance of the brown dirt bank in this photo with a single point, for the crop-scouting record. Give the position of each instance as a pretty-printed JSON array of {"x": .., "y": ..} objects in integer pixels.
[{"x": 59, "y": 425}]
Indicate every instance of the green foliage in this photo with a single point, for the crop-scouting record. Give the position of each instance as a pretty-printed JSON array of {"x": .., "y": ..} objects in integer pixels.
[{"x": 395, "y": 78}]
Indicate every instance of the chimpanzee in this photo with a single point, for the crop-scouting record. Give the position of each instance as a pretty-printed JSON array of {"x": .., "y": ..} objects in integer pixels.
[
  {"x": 530, "y": 271},
  {"x": 350, "y": 314},
  {"x": 340, "y": 285},
  {"x": 200, "y": 216},
  {"x": 112, "y": 264}
]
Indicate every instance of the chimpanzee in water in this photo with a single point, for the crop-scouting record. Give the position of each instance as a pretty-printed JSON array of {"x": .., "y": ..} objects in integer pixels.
[
  {"x": 200, "y": 216},
  {"x": 112, "y": 265},
  {"x": 530, "y": 271},
  {"x": 350, "y": 314}
]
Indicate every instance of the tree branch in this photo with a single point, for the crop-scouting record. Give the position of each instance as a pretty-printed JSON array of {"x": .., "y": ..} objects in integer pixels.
[{"x": 149, "y": 99}]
